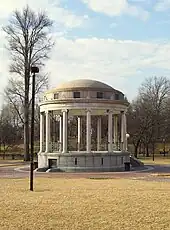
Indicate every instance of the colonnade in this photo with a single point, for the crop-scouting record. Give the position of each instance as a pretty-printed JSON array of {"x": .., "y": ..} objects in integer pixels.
[{"x": 63, "y": 130}]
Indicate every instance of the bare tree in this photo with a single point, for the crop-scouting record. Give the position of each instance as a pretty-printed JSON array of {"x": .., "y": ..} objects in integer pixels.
[
  {"x": 29, "y": 44},
  {"x": 10, "y": 130},
  {"x": 139, "y": 123},
  {"x": 148, "y": 114},
  {"x": 155, "y": 92}
]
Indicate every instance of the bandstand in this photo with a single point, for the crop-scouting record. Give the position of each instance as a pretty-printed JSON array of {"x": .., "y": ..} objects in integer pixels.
[{"x": 86, "y": 101}]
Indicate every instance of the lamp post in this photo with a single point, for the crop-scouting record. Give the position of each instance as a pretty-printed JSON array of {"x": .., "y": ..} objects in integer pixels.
[{"x": 34, "y": 70}]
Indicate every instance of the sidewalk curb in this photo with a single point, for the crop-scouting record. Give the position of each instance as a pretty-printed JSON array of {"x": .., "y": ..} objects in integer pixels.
[{"x": 146, "y": 169}]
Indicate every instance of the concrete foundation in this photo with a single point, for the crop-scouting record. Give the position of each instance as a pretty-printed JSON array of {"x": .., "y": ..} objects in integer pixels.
[{"x": 83, "y": 161}]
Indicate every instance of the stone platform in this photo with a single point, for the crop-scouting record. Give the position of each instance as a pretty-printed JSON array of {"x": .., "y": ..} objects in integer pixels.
[{"x": 83, "y": 161}]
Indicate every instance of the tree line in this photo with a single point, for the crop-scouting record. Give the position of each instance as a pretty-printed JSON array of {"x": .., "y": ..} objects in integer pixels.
[
  {"x": 148, "y": 115},
  {"x": 29, "y": 44}
]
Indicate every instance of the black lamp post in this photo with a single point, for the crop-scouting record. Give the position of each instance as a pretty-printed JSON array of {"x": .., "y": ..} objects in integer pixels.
[{"x": 34, "y": 70}]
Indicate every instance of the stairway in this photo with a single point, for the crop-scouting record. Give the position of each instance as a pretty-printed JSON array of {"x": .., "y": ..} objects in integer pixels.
[{"x": 135, "y": 162}]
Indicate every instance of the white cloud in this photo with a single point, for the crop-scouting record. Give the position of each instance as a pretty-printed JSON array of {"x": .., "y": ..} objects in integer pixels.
[
  {"x": 109, "y": 60},
  {"x": 162, "y": 5},
  {"x": 109, "y": 7},
  {"x": 116, "y": 8},
  {"x": 115, "y": 62},
  {"x": 138, "y": 12},
  {"x": 53, "y": 8}
]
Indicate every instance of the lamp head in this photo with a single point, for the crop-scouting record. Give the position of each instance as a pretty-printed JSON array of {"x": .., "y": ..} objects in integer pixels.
[
  {"x": 34, "y": 69},
  {"x": 127, "y": 135}
]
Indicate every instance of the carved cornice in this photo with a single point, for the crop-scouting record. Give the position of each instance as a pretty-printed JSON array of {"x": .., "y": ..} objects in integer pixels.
[
  {"x": 73, "y": 89},
  {"x": 88, "y": 110},
  {"x": 109, "y": 111},
  {"x": 65, "y": 110},
  {"x": 86, "y": 100}
]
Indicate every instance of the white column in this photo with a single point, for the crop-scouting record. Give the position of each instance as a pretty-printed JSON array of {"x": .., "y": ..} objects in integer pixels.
[
  {"x": 123, "y": 131},
  {"x": 88, "y": 131},
  {"x": 60, "y": 134},
  {"x": 47, "y": 131},
  {"x": 125, "y": 137},
  {"x": 41, "y": 132},
  {"x": 98, "y": 133},
  {"x": 116, "y": 130},
  {"x": 65, "y": 131},
  {"x": 110, "y": 133},
  {"x": 79, "y": 132}
]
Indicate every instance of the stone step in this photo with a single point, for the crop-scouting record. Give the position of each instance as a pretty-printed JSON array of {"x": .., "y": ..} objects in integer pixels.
[{"x": 135, "y": 162}]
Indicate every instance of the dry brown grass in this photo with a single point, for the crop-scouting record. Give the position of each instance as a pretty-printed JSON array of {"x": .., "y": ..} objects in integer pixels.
[
  {"x": 161, "y": 175},
  {"x": 7, "y": 163},
  {"x": 81, "y": 204},
  {"x": 158, "y": 160}
]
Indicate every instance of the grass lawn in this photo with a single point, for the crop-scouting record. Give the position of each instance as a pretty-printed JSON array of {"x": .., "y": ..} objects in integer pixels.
[
  {"x": 5, "y": 163},
  {"x": 81, "y": 204},
  {"x": 158, "y": 160}
]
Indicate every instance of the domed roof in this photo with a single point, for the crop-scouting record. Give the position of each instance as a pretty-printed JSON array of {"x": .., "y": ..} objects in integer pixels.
[{"x": 84, "y": 83}]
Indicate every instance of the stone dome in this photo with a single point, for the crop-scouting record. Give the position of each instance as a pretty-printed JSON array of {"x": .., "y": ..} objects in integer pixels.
[{"x": 84, "y": 84}]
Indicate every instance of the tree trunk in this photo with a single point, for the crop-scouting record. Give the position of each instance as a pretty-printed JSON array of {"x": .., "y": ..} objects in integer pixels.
[
  {"x": 153, "y": 151},
  {"x": 140, "y": 147},
  {"x": 4, "y": 152},
  {"x": 136, "y": 151},
  {"x": 147, "y": 151},
  {"x": 143, "y": 149}
]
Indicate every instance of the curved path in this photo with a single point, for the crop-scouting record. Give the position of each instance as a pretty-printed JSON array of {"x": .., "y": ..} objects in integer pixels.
[{"x": 22, "y": 171}]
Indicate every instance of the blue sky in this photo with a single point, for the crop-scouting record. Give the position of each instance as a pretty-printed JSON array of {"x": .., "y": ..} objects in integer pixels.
[
  {"x": 123, "y": 26},
  {"x": 119, "y": 42}
]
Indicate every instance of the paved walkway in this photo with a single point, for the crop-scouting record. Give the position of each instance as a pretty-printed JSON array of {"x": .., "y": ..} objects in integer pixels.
[{"x": 22, "y": 171}]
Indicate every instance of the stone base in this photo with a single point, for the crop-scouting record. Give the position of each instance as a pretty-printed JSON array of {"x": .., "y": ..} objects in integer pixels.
[{"x": 83, "y": 161}]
